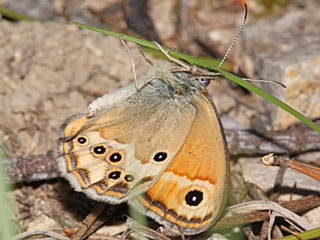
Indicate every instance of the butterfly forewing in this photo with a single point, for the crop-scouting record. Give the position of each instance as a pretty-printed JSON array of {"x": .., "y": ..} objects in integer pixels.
[
  {"x": 125, "y": 149},
  {"x": 164, "y": 142}
]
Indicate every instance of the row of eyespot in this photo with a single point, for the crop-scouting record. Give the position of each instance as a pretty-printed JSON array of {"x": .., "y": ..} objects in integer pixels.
[
  {"x": 193, "y": 198},
  {"x": 116, "y": 157},
  {"x": 117, "y": 174}
]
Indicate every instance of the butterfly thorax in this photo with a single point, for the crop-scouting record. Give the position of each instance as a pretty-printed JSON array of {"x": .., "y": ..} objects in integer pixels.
[{"x": 172, "y": 84}]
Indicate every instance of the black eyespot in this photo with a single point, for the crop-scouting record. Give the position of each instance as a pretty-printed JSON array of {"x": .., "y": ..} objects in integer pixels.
[
  {"x": 114, "y": 175},
  {"x": 115, "y": 157},
  {"x": 160, "y": 156},
  {"x": 82, "y": 140},
  {"x": 194, "y": 198},
  {"x": 129, "y": 178},
  {"x": 203, "y": 81},
  {"x": 99, "y": 150}
]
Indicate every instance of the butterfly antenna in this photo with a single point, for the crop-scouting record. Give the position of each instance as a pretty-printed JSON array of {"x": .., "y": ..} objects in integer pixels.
[
  {"x": 132, "y": 62},
  {"x": 264, "y": 80},
  {"x": 236, "y": 36}
]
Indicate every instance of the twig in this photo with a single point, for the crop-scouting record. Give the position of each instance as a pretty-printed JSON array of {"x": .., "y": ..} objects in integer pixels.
[
  {"x": 273, "y": 216},
  {"x": 145, "y": 231},
  {"x": 296, "y": 206},
  {"x": 43, "y": 167},
  {"x": 88, "y": 222},
  {"x": 266, "y": 205},
  {"x": 227, "y": 221},
  {"x": 292, "y": 232},
  {"x": 296, "y": 140},
  {"x": 285, "y": 162},
  {"x": 267, "y": 226},
  {"x": 39, "y": 232},
  {"x": 96, "y": 225},
  {"x": 32, "y": 168},
  {"x": 294, "y": 225}
]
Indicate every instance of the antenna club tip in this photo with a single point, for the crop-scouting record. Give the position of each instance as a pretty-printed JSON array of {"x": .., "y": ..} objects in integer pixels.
[{"x": 245, "y": 11}]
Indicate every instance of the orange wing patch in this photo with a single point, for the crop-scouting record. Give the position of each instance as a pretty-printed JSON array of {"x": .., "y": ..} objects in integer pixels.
[{"x": 192, "y": 191}]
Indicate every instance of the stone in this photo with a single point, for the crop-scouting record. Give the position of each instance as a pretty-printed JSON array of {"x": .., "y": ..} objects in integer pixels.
[{"x": 287, "y": 49}]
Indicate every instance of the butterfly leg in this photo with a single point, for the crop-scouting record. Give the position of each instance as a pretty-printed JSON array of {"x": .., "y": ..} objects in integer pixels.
[
  {"x": 133, "y": 66},
  {"x": 132, "y": 63},
  {"x": 144, "y": 56},
  {"x": 177, "y": 61}
]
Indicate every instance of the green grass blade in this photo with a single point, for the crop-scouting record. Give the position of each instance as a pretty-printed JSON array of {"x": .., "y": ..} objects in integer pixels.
[
  {"x": 146, "y": 44},
  {"x": 7, "y": 226},
  {"x": 311, "y": 234},
  {"x": 202, "y": 63},
  {"x": 14, "y": 15},
  {"x": 272, "y": 99}
]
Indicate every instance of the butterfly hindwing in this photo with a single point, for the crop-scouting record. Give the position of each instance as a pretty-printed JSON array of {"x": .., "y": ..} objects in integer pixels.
[{"x": 192, "y": 191}]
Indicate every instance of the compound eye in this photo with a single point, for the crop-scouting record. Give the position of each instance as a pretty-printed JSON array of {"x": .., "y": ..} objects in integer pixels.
[{"x": 203, "y": 81}]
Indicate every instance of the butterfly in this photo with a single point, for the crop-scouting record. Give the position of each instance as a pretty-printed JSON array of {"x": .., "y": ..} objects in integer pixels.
[{"x": 160, "y": 147}]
